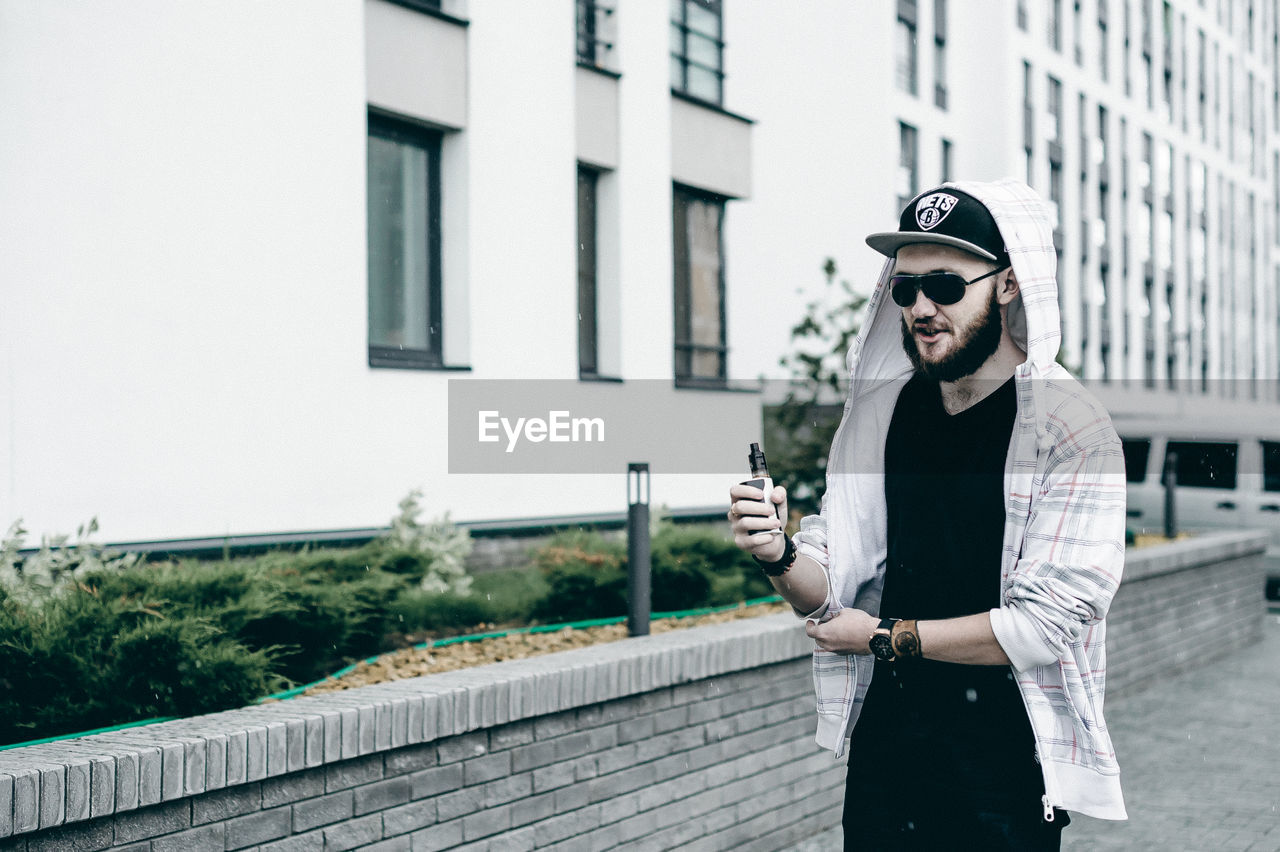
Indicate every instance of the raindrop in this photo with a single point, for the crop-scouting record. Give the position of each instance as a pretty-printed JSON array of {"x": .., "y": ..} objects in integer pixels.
[{"x": 971, "y": 695}]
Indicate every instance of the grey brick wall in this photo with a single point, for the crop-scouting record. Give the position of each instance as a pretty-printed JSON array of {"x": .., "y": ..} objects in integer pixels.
[
  {"x": 697, "y": 740},
  {"x": 724, "y": 763},
  {"x": 1183, "y": 605}
]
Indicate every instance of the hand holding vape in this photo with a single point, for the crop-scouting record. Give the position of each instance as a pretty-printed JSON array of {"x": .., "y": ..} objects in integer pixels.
[{"x": 760, "y": 479}]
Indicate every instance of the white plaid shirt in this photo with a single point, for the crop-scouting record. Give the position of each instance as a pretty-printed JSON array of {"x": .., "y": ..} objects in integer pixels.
[{"x": 1063, "y": 549}]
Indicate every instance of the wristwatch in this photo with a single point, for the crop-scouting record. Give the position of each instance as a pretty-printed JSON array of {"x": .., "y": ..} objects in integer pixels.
[{"x": 881, "y": 642}]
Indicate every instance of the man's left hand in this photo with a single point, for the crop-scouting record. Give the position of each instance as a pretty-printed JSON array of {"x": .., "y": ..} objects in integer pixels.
[{"x": 846, "y": 633}]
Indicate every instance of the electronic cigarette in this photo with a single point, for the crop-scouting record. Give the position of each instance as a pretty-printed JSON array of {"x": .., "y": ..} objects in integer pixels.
[{"x": 760, "y": 479}]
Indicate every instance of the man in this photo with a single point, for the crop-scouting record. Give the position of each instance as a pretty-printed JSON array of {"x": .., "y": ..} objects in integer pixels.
[{"x": 970, "y": 542}]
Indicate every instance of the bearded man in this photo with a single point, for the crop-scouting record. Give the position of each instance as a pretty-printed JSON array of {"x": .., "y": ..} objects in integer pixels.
[{"x": 971, "y": 537}]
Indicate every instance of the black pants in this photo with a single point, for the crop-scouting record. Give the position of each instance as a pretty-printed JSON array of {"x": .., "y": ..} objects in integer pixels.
[{"x": 894, "y": 812}]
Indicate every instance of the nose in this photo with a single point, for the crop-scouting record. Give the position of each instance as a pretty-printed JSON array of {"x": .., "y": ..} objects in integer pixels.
[{"x": 923, "y": 306}]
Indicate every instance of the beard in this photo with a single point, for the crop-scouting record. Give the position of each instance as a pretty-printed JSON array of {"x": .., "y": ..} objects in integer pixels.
[{"x": 974, "y": 345}]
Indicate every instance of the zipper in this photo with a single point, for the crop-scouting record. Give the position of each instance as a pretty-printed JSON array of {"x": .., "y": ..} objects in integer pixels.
[{"x": 1048, "y": 808}]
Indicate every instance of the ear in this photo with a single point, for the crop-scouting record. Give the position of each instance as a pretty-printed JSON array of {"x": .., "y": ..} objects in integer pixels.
[{"x": 1007, "y": 288}]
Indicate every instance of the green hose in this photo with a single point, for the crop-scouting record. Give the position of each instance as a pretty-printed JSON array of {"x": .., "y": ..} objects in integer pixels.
[
  {"x": 439, "y": 643},
  {"x": 515, "y": 631}
]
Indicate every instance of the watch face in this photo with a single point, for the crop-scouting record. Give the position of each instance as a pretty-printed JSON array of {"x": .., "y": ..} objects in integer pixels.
[{"x": 882, "y": 647}]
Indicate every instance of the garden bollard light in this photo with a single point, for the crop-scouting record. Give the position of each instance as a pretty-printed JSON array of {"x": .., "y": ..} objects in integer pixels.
[
  {"x": 638, "y": 549},
  {"x": 1169, "y": 479}
]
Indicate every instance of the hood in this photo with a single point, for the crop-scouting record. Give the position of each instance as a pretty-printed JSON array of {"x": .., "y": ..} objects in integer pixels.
[{"x": 1023, "y": 219}]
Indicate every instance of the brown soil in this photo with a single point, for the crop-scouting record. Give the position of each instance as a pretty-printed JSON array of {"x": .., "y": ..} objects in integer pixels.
[{"x": 412, "y": 662}]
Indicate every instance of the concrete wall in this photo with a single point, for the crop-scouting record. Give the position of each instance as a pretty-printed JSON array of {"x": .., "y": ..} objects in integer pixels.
[{"x": 699, "y": 740}]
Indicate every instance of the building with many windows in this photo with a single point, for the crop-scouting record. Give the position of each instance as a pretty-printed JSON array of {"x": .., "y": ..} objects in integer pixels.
[
  {"x": 251, "y": 247},
  {"x": 1150, "y": 126}
]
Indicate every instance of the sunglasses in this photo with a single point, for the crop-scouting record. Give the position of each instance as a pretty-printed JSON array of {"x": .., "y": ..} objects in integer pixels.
[{"x": 942, "y": 288}]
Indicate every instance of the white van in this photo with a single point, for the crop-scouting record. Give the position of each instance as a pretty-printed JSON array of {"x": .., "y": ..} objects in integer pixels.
[{"x": 1227, "y": 475}]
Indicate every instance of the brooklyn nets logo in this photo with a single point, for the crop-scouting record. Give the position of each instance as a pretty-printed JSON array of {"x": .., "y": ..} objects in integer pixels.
[{"x": 932, "y": 209}]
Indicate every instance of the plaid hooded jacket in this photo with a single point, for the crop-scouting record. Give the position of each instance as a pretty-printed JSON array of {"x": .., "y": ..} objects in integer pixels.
[{"x": 1063, "y": 548}]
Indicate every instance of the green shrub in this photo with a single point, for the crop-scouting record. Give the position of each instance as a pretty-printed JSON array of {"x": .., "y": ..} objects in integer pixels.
[
  {"x": 586, "y": 577},
  {"x": 692, "y": 567},
  {"x": 81, "y": 660},
  {"x": 496, "y": 598}
]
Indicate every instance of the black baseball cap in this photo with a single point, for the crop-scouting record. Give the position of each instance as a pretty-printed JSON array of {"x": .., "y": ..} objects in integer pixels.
[{"x": 945, "y": 216}]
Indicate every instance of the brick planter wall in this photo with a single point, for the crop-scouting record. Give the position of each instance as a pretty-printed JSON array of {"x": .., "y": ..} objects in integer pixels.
[
  {"x": 1183, "y": 604},
  {"x": 696, "y": 739},
  {"x": 699, "y": 740}
]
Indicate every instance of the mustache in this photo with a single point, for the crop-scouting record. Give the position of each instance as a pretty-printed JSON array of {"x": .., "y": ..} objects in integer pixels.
[{"x": 926, "y": 328}]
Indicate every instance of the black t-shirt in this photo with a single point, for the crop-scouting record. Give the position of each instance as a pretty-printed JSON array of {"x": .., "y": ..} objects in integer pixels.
[{"x": 962, "y": 727}]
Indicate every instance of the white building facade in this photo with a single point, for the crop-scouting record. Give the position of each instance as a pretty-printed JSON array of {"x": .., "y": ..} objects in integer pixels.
[{"x": 247, "y": 247}]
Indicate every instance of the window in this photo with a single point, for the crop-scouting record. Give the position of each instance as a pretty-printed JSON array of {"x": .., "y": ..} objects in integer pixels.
[
  {"x": 592, "y": 48},
  {"x": 1028, "y": 121},
  {"x": 1166, "y": 21},
  {"x": 905, "y": 47},
  {"x": 404, "y": 245},
  {"x": 1147, "y": 68},
  {"x": 1055, "y": 24},
  {"x": 1128, "y": 43},
  {"x": 1077, "y": 34},
  {"x": 940, "y": 53},
  {"x": 1204, "y": 464},
  {"x": 1022, "y": 15},
  {"x": 588, "y": 335},
  {"x": 908, "y": 164},
  {"x": 1053, "y": 131},
  {"x": 1103, "y": 51},
  {"x": 1270, "y": 466},
  {"x": 697, "y": 49},
  {"x": 1136, "y": 453},
  {"x": 1202, "y": 79},
  {"x": 699, "y": 279},
  {"x": 946, "y": 161}
]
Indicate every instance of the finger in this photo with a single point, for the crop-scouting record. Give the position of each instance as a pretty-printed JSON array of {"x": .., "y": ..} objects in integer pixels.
[
  {"x": 745, "y": 492},
  {"x": 756, "y": 523},
  {"x": 752, "y": 507}
]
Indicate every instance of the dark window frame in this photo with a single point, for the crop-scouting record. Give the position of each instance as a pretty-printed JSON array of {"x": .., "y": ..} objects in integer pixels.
[
  {"x": 908, "y": 132},
  {"x": 682, "y": 332},
  {"x": 940, "y": 54},
  {"x": 432, "y": 358},
  {"x": 906, "y": 18},
  {"x": 589, "y": 275},
  {"x": 716, "y": 7},
  {"x": 591, "y": 49}
]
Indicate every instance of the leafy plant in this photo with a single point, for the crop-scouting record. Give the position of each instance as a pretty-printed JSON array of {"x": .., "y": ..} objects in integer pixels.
[
  {"x": 56, "y": 564},
  {"x": 445, "y": 545},
  {"x": 801, "y": 428}
]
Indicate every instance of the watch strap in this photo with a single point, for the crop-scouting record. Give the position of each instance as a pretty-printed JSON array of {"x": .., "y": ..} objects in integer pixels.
[{"x": 783, "y": 563}]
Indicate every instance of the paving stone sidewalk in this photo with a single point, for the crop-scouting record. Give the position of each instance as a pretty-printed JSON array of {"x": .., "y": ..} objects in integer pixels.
[{"x": 1200, "y": 757}]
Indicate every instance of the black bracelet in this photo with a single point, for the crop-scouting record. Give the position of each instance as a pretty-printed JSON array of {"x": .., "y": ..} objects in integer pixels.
[{"x": 784, "y": 563}]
